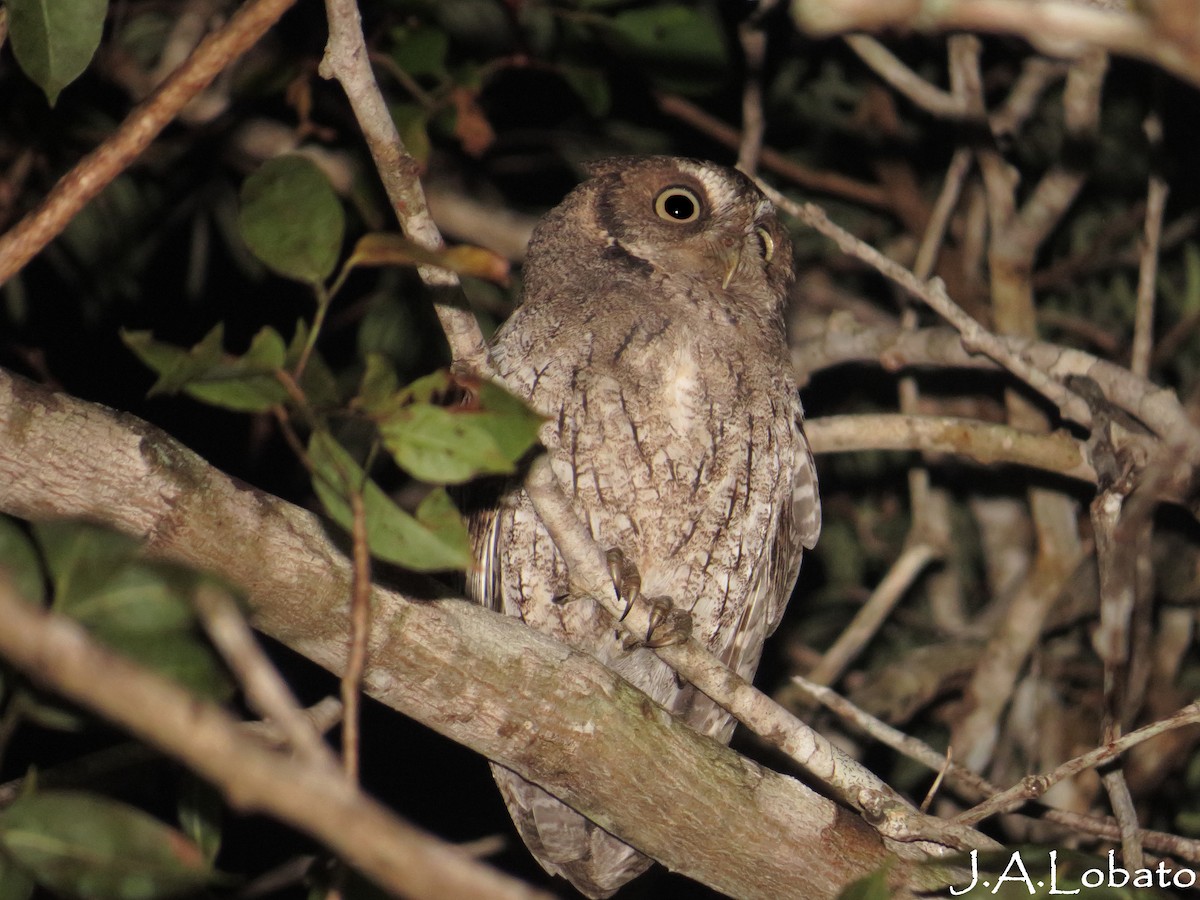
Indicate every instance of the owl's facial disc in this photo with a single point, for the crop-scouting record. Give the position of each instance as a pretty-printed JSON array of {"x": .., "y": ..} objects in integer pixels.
[{"x": 692, "y": 221}]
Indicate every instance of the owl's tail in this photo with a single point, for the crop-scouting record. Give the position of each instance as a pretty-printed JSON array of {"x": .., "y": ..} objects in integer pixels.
[{"x": 566, "y": 843}]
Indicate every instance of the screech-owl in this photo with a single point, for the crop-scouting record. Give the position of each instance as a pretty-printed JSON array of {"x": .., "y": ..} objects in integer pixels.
[{"x": 652, "y": 336}]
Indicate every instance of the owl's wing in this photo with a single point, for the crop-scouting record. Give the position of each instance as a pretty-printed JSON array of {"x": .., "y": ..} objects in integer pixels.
[
  {"x": 483, "y": 578},
  {"x": 798, "y": 530},
  {"x": 806, "y": 502},
  {"x": 565, "y": 843}
]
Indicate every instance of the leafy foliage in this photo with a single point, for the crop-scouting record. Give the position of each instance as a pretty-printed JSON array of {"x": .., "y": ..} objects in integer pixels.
[
  {"x": 76, "y": 843},
  {"x": 88, "y": 847}
]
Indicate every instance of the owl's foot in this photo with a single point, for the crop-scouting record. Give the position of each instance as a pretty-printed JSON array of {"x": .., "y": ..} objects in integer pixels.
[
  {"x": 668, "y": 625},
  {"x": 626, "y": 578}
]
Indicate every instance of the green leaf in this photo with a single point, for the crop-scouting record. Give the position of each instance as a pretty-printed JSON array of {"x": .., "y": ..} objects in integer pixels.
[
  {"x": 175, "y": 366},
  {"x": 318, "y": 382},
  {"x": 869, "y": 887},
  {"x": 87, "y": 846},
  {"x": 379, "y": 385},
  {"x": 82, "y": 558},
  {"x": 438, "y": 513},
  {"x": 421, "y": 51},
  {"x": 15, "y": 883},
  {"x": 54, "y": 40},
  {"x": 138, "y": 608},
  {"x": 671, "y": 34},
  {"x": 412, "y": 123},
  {"x": 292, "y": 220},
  {"x": 200, "y": 813},
  {"x": 676, "y": 43},
  {"x": 591, "y": 86},
  {"x": 243, "y": 384},
  {"x": 452, "y": 444},
  {"x": 19, "y": 560},
  {"x": 139, "y": 598},
  {"x": 183, "y": 657},
  {"x": 47, "y": 710},
  {"x": 392, "y": 534},
  {"x": 512, "y": 424}
]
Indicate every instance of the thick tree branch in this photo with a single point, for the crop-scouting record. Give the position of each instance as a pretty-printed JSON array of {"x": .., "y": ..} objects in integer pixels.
[
  {"x": 482, "y": 679},
  {"x": 1060, "y": 28},
  {"x": 986, "y": 443}
]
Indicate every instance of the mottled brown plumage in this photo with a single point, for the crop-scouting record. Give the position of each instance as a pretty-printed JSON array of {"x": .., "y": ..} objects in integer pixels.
[{"x": 652, "y": 335}]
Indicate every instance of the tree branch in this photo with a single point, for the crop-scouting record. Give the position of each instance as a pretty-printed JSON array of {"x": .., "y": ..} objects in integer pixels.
[
  {"x": 482, "y": 679},
  {"x": 57, "y": 653},
  {"x": 95, "y": 171},
  {"x": 346, "y": 59},
  {"x": 1059, "y": 28}
]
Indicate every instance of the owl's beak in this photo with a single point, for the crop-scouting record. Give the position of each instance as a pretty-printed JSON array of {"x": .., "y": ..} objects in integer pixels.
[{"x": 731, "y": 258}]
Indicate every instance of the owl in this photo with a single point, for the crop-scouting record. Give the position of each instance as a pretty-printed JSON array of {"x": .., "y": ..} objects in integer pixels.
[{"x": 652, "y": 337}]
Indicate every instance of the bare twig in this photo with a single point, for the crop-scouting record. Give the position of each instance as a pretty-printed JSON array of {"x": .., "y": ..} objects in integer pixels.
[
  {"x": 974, "y": 336},
  {"x": 832, "y": 183},
  {"x": 96, "y": 170},
  {"x": 904, "y": 80},
  {"x": 1121, "y": 800},
  {"x": 753, "y": 38},
  {"x": 844, "y": 341},
  {"x": 360, "y": 632},
  {"x": 266, "y": 691},
  {"x": 1036, "y": 785},
  {"x": 1143, "y": 324},
  {"x": 930, "y": 505},
  {"x": 972, "y": 786},
  {"x": 1116, "y": 563},
  {"x": 1037, "y": 74},
  {"x": 866, "y": 622},
  {"x": 346, "y": 59},
  {"x": 943, "y": 209}
]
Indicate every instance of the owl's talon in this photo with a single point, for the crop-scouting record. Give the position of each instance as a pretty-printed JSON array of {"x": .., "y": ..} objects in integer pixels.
[
  {"x": 668, "y": 625},
  {"x": 626, "y": 579}
]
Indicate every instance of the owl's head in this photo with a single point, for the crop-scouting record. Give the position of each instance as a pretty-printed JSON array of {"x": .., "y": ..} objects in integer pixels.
[{"x": 685, "y": 219}]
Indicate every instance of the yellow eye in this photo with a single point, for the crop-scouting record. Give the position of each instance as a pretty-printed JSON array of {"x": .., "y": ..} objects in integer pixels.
[
  {"x": 766, "y": 243},
  {"x": 677, "y": 204}
]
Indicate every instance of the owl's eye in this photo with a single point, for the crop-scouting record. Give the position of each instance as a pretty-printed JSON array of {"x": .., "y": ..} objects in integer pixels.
[
  {"x": 677, "y": 204},
  {"x": 766, "y": 243}
]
